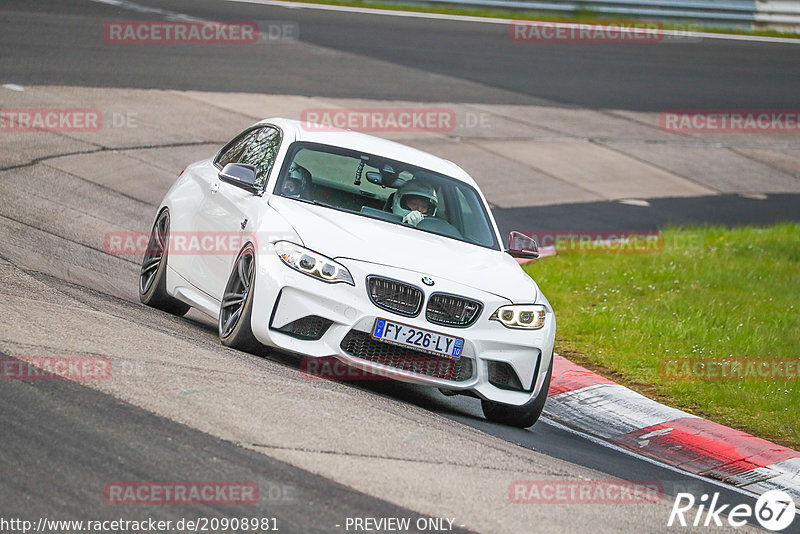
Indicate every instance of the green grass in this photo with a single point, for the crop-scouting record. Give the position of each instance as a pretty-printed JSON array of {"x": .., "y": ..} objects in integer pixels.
[
  {"x": 711, "y": 293},
  {"x": 582, "y": 15}
]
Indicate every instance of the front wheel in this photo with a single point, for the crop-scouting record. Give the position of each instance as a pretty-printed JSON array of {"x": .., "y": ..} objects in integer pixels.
[
  {"x": 520, "y": 416},
  {"x": 153, "y": 274},
  {"x": 237, "y": 304}
]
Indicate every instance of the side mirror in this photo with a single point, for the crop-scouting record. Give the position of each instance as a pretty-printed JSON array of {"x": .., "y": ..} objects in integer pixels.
[
  {"x": 240, "y": 174},
  {"x": 522, "y": 246}
]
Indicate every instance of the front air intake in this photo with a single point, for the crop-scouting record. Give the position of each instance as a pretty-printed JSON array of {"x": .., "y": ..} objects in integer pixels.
[
  {"x": 364, "y": 346},
  {"x": 311, "y": 327},
  {"x": 502, "y": 375}
]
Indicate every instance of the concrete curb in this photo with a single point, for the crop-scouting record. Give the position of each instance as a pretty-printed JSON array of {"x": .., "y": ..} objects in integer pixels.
[{"x": 596, "y": 405}]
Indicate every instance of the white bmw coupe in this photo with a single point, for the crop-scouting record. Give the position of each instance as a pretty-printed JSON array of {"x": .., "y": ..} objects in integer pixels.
[{"x": 380, "y": 255}]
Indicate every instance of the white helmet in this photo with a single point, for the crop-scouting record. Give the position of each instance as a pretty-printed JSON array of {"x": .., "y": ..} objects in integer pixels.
[
  {"x": 297, "y": 182},
  {"x": 414, "y": 188}
]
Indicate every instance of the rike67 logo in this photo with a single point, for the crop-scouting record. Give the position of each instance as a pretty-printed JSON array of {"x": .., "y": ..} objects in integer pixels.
[{"x": 774, "y": 510}]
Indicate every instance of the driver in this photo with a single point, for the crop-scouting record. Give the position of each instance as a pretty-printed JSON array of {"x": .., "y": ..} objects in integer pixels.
[
  {"x": 414, "y": 201},
  {"x": 296, "y": 182}
]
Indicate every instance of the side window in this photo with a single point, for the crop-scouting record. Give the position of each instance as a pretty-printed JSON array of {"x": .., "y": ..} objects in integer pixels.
[
  {"x": 233, "y": 153},
  {"x": 261, "y": 152},
  {"x": 476, "y": 228},
  {"x": 258, "y": 147}
]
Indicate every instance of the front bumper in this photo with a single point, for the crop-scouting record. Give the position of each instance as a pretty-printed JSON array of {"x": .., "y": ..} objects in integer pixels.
[{"x": 284, "y": 296}]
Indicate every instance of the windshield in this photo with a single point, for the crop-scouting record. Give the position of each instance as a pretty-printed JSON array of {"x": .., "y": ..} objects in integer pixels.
[{"x": 385, "y": 189}]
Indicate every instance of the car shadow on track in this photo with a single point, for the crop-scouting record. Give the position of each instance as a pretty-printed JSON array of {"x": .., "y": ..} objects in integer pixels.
[{"x": 426, "y": 397}]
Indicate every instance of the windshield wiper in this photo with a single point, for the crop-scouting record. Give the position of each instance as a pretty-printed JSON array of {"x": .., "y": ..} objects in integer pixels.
[{"x": 310, "y": 201}]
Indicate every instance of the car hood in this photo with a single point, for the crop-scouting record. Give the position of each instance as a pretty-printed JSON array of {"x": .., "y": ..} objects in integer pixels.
[{"x": 341, "y": 235}]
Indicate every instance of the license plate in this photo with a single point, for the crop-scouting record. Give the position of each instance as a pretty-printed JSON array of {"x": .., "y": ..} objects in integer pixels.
[{"x": 417, "y": 338}]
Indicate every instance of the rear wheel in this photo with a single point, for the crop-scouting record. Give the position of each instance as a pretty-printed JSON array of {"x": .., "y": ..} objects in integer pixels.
[
  {"x": 237, "y": 304},
  {"x": 153, "y": 274},
  {"x": 520, "y": 416}
]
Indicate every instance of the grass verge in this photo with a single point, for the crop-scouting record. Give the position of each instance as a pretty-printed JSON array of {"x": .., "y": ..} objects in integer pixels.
[
  {"x": 712, "y": 294},
  {"x": 580, "y": 16}
]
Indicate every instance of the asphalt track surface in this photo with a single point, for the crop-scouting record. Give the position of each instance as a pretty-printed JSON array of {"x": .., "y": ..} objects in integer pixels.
[
  {"x": 61, "y": 441},
  {"x": 708, "y": 74},
  {"x": 85, "y": 439},
  {"x": 725, "y": 210}
]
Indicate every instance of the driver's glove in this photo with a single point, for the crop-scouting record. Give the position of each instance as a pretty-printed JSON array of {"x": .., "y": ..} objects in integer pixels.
[{"x": 413, "y": 218}]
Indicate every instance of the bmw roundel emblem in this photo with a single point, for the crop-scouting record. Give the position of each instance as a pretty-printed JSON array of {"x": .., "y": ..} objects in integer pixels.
[{"x": 427, "y": 280}]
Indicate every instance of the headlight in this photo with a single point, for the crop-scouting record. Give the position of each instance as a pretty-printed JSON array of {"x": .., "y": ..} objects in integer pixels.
[
  {"x": 313, "y": 264},
  {"x": 526, "y": 316}
]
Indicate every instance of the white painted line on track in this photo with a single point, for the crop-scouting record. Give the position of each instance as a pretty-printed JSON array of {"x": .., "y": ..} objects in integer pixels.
[
  {"x": 13, "y": 87},
  {"x": 492, "y": 20},
  {"x": 639, "y": 202},
  {"x": 617, "y": 448},
  {"x": 139, "y": 8},
  {"x": 743, "y": 490}
]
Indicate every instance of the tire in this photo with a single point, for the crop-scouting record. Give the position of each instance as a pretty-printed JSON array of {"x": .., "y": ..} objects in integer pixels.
[
  {"x": 520, "y": 416},
  {"x": 153, "y": 273},
  {"x": 237, "y": 304}
]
